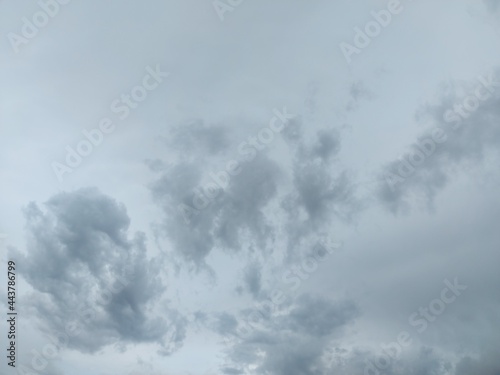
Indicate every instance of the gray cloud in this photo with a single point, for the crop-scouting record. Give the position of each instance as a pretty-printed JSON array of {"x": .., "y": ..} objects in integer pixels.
[
  {"x": 424, "y": 361},
  {"x": 492, "y": 4},
  {"x": 469, "y": 137},
  {"x": 292, "y": 340},
  {"x": 358, "y": 92},
  {"x": 487, "y": 364},
  {"x": 240, "y": 210},
  {"x": 223, "y": 222},
  {"x": 302, "y": 187},
  {"x": 318, "y": 317},
  {"x": 86, "y": 270},
  {"x": 225, "y": 323},
  {"x": 199, "y": 138},
  {"x": 253, "y": 278}
]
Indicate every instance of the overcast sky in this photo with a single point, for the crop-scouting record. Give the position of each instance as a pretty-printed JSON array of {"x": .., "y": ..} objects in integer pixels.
[{"x": 284, "y": 187}]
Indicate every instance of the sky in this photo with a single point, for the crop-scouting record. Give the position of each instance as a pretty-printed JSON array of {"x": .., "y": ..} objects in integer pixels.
[{"x": 243, "y": 187}]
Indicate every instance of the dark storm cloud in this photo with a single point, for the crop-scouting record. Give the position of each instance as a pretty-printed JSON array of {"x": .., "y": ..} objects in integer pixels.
[
  {"x": 465, "y": 130},
  {"x": 85, "y": 269}
]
